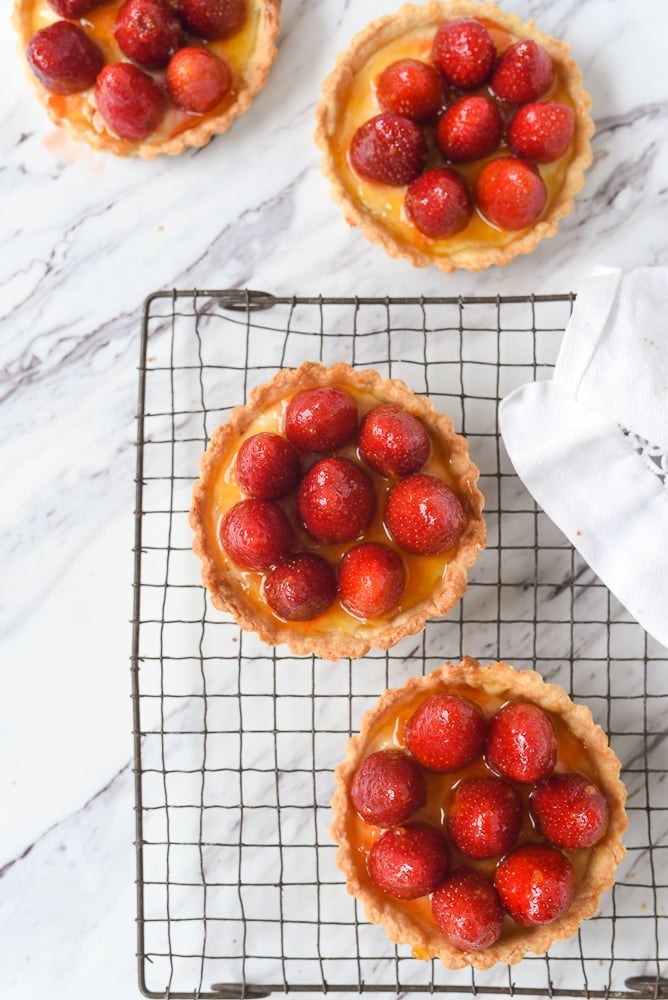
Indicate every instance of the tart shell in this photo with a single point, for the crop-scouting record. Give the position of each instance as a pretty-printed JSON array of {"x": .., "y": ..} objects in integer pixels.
[
  {"x": 386, "y": 29},
  {"x": 94, "y": 130},
  {"x": 499, "y": 680},
  {"x": 225, "y": 593}
]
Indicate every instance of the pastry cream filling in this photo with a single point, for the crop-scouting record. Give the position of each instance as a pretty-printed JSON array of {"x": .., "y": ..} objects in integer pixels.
[{"x": 424, "y": 573}]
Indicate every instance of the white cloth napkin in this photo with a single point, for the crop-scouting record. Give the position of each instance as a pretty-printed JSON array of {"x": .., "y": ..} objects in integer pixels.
[{"x": 591, "y": 446}]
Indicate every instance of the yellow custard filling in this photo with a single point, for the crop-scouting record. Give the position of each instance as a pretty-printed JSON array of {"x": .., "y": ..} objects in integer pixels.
[
  {"x": 424, "y": 574},
  {"x": 386, "y": 203}
]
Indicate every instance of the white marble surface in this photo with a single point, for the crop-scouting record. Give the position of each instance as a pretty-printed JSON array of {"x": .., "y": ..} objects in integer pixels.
[{"x": 84, "y": 239}]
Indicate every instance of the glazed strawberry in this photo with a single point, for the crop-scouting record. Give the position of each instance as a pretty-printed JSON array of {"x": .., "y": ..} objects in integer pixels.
[
  {"x": 267, "y": 466},
  {"x": 467, "y": 909},
  {"x": 392, "y": 441},
  {"x": 410, "y": 87},
  {"x": 510, "y": 192},
  {"x": 570, "y": 810},
  {"x": 197, "y": 79},
  {"x": 336, "y": 500},
  {"x": 301, "y": 588},
  {"x": 542, "y": 131},
  {"x": 438, "y": 203},
  {"x": 148, "y": 31},
  {"x": 256, "y": 534},
  {"x": 73, "y": 8},
  {"x": 536, "y": 884},
  {"x": 409, "y": 861},
  {"x": 521, "y": 743},
  {"x": 321, "y": 419},
  {"x": 424, "y": 515},
  {"x": 213, "y": 19},
  {"x": 388, "y": 149},
  {"x": 371, "y": 580},
  {"x": 63, "y": 58},
  {"x": 469, "y": 129},
  {"x": 464, "y": 52},
  {"x": 523, "y": 73},
  {"x": 446, "y": 732},
  {"x": 484, "y": 817},
  {"x": 129, "y": 100},
  {"x": 388, "y": 788}
]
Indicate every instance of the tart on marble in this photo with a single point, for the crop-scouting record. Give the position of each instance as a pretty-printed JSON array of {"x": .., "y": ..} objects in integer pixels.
[
  {"x": 479, "y": 814},
  {"x": 336, "y": 511},
  {"x": 144, "y": 77},
  {"x": 455, "y": 134}
]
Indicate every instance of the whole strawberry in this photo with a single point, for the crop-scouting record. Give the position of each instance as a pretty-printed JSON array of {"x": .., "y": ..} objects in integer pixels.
[
  {"x": 371, "y": 580},
  {"x": 409, "y": 861},
  {"x": 536, "y": 884},
  {"x": 392, "y": 441},
  {"x": 388, "y": 149},
  {"x": 467, "y": 909},
  {"x": 301, "y": 587},
  {"x": 424, "y": 515},
  {"x": 410, "y": 87},
  {"x": 256, "y": 534},
  {"x": 129, "y": 100},
  {"x": 446, "y": 732},
  {"x": 570, "y": 810},
  {"x": 510, "y": 193},
  {"x": 267, "y": 466},
  {"x": 213, "y": 19},
  {"x": 63, "y": 58},
  {"x": 197, "y": 79},
  {"x": 388, "y": 788},
  {"x": 521, "y": 743},
  {"x": 542, "y": 131},
  {"x": 470, "y": 129},
  {"x": 336, "y": 500},
  {"x": 465, "y": 53},
  {"x": 523, "y": 73},
  {"x": 438, "y": 203},
  {"x": 484, "y": 817},
  {"x": 321, "y": 419},
  {"x": 148, "y": 31}
]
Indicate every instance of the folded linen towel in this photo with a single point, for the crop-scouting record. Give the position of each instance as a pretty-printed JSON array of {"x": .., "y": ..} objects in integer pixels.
[{"x": 591, "y": 446}]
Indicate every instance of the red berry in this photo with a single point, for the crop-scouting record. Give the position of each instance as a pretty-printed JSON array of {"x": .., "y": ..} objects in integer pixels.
[
  {"x": 522, "y": 743},
  {"x": 411, "y": 88},
  {"x": 371, "y": 580},
  {"x": 129, "y": 100},
  {"x": 409, "y": 861},
  {"x": 321, "y": 419},
  {"x": 542, "y": 132},
  {"x": 197, "y": 79},
  {"x": 148, "y": 31},
  {"x": 392, "y": 441},
  {"x": 63, "y": 58},
  {"x": 570, "y": 810},
  {"x": 439, "y": 203},
  {"x": 484, "y": 817},
  {"x": 73, "y": 8},
  {"x": 446, "y": 732},
  {"x": 536, "y": 884},
  {"x": 336, "y": 500},
  {"x": 470, "y": 129},
  {"x": 301, "y": 588},
  {"x": 388, "y": 149},
  {"x": 467, "y": 909},
  {"x": 256, "y": 534},
  {"x": 213, "y": 19},
  {"x": 464, "y": 52},
  {"x": 523, "y": 73},
  {"x": 267, "y": 466},
  {"x": 511, "y": 193},
  {"x": 388, "y": 788},
  {"x": 424, "y": 515}
]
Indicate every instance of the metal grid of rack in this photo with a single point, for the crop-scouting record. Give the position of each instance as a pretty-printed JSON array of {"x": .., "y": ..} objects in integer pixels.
[{"x": 235, "y": 742}]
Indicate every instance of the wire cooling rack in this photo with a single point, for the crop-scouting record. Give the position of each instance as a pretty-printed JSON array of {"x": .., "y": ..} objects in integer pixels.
[{"x": 235, "y": 742}]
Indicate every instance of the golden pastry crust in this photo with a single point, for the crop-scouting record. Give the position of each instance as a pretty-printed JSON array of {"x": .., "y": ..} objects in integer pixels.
[
  {"x": 223, "y": 583},
  {"x": 502, "y": 682},
  {"x": 387, "y": 29},
  {"x": 89, "y": 125}
]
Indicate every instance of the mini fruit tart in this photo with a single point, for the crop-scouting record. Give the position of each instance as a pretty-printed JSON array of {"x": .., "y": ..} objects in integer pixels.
[
  {"x": 479, "y": 814},
  {"x": 455, "y": 134},
  {"x": 336, "y": 511},
  {"x": 144, "y": 77}
]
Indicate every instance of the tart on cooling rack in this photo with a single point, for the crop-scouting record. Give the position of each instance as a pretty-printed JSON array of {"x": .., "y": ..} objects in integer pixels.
[
  {"x": 144, "y": 77},
  {"x": 455, "y": 134},
  {"x": 479, "y": 814},
  {"x": 336, "y": 511}
]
